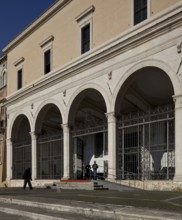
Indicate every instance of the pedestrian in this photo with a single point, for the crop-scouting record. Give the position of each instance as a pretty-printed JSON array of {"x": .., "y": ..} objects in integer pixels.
[
  {"x": 27, "y": 178},
  {"x": 94, "y": 167},
  {"x": 88, "y": 169}
]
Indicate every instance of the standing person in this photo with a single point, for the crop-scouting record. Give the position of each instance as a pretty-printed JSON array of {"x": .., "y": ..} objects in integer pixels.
[
  {"x": 95, "y": 167},
  {"x": 27, "y": 178},
  {"x": 88, "y": 169}
]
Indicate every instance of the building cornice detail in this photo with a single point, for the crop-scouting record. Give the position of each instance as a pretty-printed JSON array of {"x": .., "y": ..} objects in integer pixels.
[
  {"x": 46, "y": 41},
  {"x": 19, "y": 61},
  {"x": 127, "y": 41},
  {"x": 85, "y": 13},
  {"x": 51, "y": 11}
]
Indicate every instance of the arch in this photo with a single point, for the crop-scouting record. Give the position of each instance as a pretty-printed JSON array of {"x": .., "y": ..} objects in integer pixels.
[
  {"x": 42, "y": 105},
  {"x": 15, "y": 117},
  {"x": 88, "y": 86},
  {"x": 147, "y": 63}
]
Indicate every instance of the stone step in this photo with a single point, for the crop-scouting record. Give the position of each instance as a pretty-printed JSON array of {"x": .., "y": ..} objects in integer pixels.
[{"x": 81, "y": 185}]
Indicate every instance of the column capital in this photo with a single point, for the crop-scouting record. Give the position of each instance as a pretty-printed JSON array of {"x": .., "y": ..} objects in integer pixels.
[
  {"x": 111, "y": 117},
  {"x": 178, "y": 101},
  {"x": 9, "y": 141},
  {"x": 65, "y": 126},
  {"x": 33, "y": 134}
]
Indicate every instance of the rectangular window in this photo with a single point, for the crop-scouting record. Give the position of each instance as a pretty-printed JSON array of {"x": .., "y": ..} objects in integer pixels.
[
  {"x": 47, "y": 61},
  {"x": 85, "y": 38},
  {"x": 19, "y": 79},
  {"x": 140, "y": 11},
  {"x": 99, "y": 145}
]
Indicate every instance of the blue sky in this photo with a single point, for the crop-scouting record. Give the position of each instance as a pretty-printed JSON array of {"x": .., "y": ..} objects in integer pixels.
[{"x": 15, "y": 15}]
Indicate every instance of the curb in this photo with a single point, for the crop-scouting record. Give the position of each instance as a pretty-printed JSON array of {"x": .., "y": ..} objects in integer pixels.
[{"x": 125, "y": 213}]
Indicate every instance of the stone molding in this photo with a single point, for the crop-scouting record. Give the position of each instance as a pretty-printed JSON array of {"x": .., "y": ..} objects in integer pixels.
[{"x": 124, "y": 42}]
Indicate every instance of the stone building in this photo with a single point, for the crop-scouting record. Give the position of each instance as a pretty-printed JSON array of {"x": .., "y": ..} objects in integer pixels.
[
  {"x": 3, "y": 78},
  {"x": 100, "y": 81}
]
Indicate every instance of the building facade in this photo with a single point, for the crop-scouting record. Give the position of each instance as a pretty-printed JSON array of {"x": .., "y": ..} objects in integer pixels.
[
  {"x": 97, "y": 81},
  {"x": 3, "y": 80}
]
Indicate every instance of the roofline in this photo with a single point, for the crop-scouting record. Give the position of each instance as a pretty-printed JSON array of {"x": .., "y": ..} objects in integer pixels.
[
  {"x": 3, "y": 59},
  {"x": 46, "y": 15}
]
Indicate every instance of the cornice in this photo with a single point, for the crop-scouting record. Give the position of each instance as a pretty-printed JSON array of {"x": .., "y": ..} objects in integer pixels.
[
  {"x": 129, "y": 40},
  {"x": 52, "y": 10}
]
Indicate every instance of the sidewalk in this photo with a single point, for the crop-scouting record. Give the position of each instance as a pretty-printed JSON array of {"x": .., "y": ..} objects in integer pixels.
[{"x": 109, "y": 204}]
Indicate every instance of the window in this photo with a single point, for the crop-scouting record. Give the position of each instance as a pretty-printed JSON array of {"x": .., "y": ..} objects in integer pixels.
[
  {"x": 19, "y": 79},
  {"x": 19, "y": 69},
  {"x": 85, "y": 23},
  {"x": 47, "y": 61},
  {"x": 85, "y": 39},
  {"x": 47, "y": 51},
  {"x": 4, "y": 79},
  {"x": 140, "y": 11}
]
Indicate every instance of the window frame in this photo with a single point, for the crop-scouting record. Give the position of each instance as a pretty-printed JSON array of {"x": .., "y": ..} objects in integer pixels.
[
  {"x": 19, "y": 80},
  {"x": 47, "y": 65},
  {"x": 19, "y": 67},
  {"x": 47, "y": 45},
  {"x": 84, "y": 41},
  {"x": 133, "y": 12},
  {"x": 83, "y": 20}
]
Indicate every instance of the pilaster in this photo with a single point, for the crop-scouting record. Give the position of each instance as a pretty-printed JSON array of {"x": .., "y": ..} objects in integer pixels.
[
  {"x": 111, "y": 119},
  {"x": 9, "y": 168},
  {"x": 178, "y": 138},
  {"x": 34, "y": 154},
  {"x": 66, "y": 146}
]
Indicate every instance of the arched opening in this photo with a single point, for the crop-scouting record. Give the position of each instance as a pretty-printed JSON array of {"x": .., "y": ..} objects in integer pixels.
[
  {"x": 21, "y": 141},
  {"x": 49, "y": 143},
  {"x": 145, "y": 109},
  {"x": 88, "y": 134}
]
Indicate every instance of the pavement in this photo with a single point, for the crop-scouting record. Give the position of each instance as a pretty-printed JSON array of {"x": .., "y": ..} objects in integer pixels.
[{"x": 58, "y": 204}]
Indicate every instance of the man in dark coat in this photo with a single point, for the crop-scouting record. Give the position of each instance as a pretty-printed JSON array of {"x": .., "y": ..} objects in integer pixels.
[
  {"x": 95, "y": 167},
  {"x": 27, "y": 178}
]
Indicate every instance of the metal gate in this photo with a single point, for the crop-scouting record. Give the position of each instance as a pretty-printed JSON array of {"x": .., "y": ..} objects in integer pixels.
[
  {"x": 77, "y": 147},
  {"x": 146, "y": 148},
  {"x": 22, "y": 155},
  {"x": 50, "y": 157}
]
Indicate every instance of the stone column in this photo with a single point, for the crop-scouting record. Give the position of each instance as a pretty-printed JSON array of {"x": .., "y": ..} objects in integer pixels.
[
  {"x": 66, "y": 150},
  {"x": 178, "y": 138},
  {"x": 34, "y": 154},
  {"x": 9, "y": 162},
  {"x": 111, "y": 145}
]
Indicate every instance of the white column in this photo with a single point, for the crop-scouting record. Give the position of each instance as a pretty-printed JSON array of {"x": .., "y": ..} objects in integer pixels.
[
  {"x": 178, "y": 138},
  {"x": 66, "y": 146},
  {"x": 111, "y": 145},
  {"x": 34, "y": 154},
  {"x": 9, "y": 168}
]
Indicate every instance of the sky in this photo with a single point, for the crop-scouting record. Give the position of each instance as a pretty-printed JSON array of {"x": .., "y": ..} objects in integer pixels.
[{"x": 15, "y": 15}]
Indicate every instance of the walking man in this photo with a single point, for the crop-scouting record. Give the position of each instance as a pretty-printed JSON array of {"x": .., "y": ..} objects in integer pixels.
[{"x": 27, "y": 178}]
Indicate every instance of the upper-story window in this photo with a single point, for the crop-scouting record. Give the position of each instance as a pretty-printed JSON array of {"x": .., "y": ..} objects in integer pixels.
[
  {"x": 85, "y": 38},
  {"x": 140, "y": 11},
  {"x": 85, "y": 22},
  {"x": 4, "y": 78},
  {"x": 47, "y": 61},
  {"x": 19, "y": 79},
  {"x": 19, "y": 69},
  {"x": 47, "y": 54}
]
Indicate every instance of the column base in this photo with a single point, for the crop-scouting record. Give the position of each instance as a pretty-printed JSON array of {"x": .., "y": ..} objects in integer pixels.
[
  {"x": 178, "y": 178},
  {"x": 65, "y": 178}
]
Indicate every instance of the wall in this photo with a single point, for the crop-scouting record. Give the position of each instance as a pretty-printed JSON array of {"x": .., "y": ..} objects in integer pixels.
[{"x": 110, "y": 18}]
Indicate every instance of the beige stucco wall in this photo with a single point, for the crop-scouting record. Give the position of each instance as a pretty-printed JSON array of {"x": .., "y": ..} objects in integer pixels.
[
  {"x": 159, "y": 5},
  {"x": 110, "y": 18}
]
